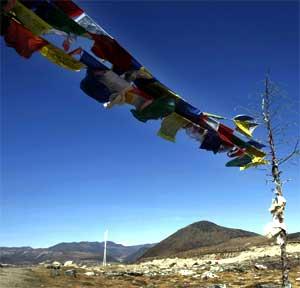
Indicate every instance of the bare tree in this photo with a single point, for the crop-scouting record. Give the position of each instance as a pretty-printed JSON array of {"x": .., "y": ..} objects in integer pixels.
[{"x": 274, "y": 103}]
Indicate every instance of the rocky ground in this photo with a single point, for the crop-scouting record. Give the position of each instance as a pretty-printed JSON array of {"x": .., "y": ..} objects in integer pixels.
[{"x": 256, "y": 267}]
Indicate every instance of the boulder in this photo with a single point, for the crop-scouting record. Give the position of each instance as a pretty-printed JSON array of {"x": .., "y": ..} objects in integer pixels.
[
  {"x": 56, "y": 265},
  {"x": 89, "y": 273},
  {"x": 70, "y": 264}
]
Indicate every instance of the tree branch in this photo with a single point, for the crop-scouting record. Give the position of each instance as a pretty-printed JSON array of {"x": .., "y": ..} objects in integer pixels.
[{"x": 296, "y": 151}]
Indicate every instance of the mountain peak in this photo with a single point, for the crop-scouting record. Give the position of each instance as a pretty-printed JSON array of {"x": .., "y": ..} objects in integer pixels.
[{"x": 199, "y": 234}]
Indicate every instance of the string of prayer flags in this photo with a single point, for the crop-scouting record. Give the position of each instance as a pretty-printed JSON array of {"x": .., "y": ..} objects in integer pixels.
[
  {"x": 127, "y": 81},
  {"x": 171, "y": 125}
]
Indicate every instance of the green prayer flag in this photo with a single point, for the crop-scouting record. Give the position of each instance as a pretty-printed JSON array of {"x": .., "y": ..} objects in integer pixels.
[
  {"x": 159, "y": 108},
  {"x": 239, "y": 161},
  {"x": 58, "y": 19}
]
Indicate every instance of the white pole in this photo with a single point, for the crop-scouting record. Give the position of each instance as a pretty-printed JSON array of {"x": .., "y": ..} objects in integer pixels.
[{"x": 104, "y": 253}]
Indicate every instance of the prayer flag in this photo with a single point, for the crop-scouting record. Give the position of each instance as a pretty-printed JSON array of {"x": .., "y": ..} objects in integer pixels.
[
  {"x": 30, "y": 20},
  {"x": 109, "y": 49},
  {"x": 187, "y": 111},
  {"x": 91, "y": 61},
  {"x": 159, "y": 108},
  {"x": 171, "y": 125},
  {"x": 94, "y": 88},
  {"x": 60, "y": 58},
  {"x": 245, "y": 124},
  {"x": 22, "y": 40},
  {"x": 256, "y": 161},
  {"x": 57, "y": 18},
  {"x": 68, "y": 7}
]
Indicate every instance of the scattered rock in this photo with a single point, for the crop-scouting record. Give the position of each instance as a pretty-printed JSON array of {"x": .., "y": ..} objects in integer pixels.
[
  {"x": 71, "y": 272},
  {"x": 186, "y": 272},
  {"x": 140, "y": 283},
  {"x": 260, "y": 267},
  {"x": 89, "y": 273},
  {"x": 56, "y": 265},
  {"x": 134, "y": 273},
  {"x": 208, "y": 275},
  {"x": 267, "y": 286},
  {"x": 216, "y": 269},
  {"x": 70, "y": 264}
]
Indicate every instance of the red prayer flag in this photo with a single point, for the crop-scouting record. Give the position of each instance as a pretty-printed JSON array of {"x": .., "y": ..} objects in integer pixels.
[
  {"x": 69, "y": 7},
  {"x": 110, "y": 50},
  {"x": 24, "y": 42},
  {"x": 225, "y": 134}
]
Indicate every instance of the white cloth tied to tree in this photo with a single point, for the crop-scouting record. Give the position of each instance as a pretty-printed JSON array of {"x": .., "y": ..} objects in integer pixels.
[
  {"x": 274, "y": 228},
  {"x": 278, "y": 203}
]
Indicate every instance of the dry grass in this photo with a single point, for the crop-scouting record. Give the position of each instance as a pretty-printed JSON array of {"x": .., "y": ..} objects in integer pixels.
[{"x": 39, "y": 277}]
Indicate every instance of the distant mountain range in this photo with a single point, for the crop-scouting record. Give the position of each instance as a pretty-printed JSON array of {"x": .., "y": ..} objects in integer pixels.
[
  {"x": 76, "y": 251},
  {"x": 199, "y": 238}
]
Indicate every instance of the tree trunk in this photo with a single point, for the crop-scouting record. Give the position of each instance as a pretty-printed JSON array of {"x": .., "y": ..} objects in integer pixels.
[
  {"x": 279, "y": 215},
  {"x": 284, "y": 262}
]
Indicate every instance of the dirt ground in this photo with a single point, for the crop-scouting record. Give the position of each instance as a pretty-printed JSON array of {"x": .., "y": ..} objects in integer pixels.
[
  {"x": 39, "y": 277},
  {"x": 19, "y": 278}
]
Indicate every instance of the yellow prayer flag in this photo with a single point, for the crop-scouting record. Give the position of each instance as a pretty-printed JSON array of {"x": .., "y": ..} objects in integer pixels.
[
  {"x": 256, "y": 161},
  {"x": 245, "y": 127},
  {"x": 170, "y": 126},
  {"x": 30, "y": 20},
  {"x": 59, "y": 57}
]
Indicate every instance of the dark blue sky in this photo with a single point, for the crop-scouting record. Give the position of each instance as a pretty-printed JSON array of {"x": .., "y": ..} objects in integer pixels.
[{"x": 72, "y": 169}]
